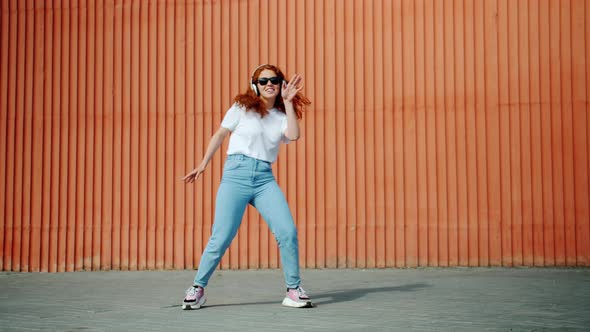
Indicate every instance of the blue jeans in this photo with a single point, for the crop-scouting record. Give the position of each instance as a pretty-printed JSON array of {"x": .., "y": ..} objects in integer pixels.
[{"x": 250, "y": 181}]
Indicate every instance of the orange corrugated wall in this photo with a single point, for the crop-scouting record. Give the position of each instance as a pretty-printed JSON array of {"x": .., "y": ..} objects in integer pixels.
[{"x": 442, "y": 132}]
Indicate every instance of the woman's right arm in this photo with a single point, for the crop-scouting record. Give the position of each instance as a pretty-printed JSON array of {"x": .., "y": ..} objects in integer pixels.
[{"x": 214, "y": 144}]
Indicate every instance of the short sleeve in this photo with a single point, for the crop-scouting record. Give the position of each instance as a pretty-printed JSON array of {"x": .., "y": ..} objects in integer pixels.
[
  {"x": 284, "y": 130},
  {"x": 232, "y": 118}
]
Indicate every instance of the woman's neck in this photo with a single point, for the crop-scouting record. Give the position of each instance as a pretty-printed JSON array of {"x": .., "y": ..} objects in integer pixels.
[{"x": 270, "y": 103}]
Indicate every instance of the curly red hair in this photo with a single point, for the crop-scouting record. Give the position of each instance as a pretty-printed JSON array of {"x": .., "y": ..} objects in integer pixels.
[{"x": 254, "y": 103}]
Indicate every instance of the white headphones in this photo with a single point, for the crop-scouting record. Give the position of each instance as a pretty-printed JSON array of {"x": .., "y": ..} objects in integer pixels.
[{"x": 252, "y": 83}]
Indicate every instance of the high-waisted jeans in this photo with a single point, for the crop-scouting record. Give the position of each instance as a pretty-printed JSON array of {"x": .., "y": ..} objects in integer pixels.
[{"x": 246, "y": 181}]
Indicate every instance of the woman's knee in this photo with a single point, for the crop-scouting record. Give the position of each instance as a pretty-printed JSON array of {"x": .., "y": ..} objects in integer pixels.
[
  {"x": 287, "y": 235},
  {"x": 217, "y": 245}
]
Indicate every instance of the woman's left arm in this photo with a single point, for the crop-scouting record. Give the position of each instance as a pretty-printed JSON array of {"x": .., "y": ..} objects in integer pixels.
[{"x": 289, "y": 91}]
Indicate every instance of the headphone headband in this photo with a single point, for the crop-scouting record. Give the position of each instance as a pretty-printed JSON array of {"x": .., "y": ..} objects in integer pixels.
[{"x": 254, "y": 71}]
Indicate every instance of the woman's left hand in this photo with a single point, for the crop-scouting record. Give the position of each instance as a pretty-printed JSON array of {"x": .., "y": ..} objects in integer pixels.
[{"x": 290, "y": 90}]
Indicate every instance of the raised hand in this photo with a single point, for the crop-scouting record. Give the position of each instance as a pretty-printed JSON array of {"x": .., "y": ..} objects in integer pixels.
[{"x": 290, "y": 90}]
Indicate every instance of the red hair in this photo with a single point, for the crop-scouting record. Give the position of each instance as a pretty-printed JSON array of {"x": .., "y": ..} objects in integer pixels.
[{"x": 254, "y": 103}]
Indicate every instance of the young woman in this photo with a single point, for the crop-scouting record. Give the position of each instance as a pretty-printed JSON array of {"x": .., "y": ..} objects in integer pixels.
[{"x": 259, "y": 120}]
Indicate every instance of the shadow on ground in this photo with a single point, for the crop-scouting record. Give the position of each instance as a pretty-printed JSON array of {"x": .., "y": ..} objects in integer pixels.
[
  {"x": 330, "y": 297},
  {"x": 357, "y": 293}
]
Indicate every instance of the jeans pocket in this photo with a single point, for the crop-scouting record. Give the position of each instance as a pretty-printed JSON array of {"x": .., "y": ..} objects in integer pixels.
[
  {"x": 266, "y": 167},
  {"x": 231, "y": 164}
]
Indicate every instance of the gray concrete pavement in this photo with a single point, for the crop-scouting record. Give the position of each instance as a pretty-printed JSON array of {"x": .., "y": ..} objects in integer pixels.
[{"x": 453, "y": 299}]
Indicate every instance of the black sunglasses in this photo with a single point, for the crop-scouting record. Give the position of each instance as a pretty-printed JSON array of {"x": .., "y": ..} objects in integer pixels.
[{"x": 274, "y": 80}]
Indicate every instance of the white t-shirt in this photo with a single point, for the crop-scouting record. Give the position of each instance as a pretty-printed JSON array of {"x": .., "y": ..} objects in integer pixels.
[{"x": 254, "y": 136}]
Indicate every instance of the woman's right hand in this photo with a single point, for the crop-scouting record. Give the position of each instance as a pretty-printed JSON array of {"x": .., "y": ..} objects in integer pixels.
[
  {"x": 214, "y": 144},
  {"x": 194, "y": 174}
]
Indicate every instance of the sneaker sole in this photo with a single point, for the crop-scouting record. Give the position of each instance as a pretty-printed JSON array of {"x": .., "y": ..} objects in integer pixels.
[
  {"x": 287, "y": 302},
  {"x": 191, "y": 306}
]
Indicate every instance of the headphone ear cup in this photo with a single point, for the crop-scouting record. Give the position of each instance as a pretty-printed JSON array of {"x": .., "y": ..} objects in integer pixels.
[{"x": 254, "y": 88}]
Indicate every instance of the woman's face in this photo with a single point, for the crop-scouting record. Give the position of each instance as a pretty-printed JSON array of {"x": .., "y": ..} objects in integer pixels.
[{"x": 269, "y": 90}]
